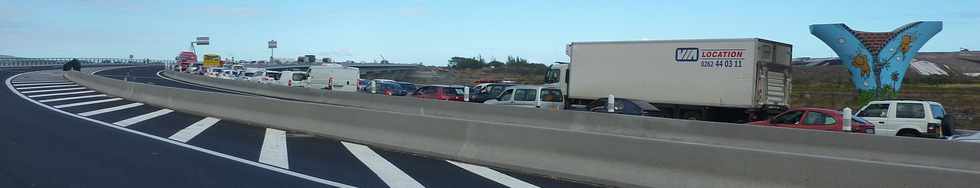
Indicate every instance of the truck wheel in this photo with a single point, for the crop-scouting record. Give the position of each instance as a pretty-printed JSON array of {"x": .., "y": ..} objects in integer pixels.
[{"x": 692, "y": 116}]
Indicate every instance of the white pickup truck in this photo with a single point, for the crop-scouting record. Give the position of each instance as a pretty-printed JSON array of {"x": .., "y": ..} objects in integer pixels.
[{"x": 915, "y": 118}]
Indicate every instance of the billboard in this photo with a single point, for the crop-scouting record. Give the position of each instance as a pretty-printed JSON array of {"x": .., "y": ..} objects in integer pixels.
[
  {"x": 203, "y": 41},
  {"x": 876, "y": 61}
]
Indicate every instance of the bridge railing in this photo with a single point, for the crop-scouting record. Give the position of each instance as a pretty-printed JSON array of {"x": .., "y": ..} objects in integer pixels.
[
  {"x": 35, "y": 62},
  {"x": 607, "y": 149}
]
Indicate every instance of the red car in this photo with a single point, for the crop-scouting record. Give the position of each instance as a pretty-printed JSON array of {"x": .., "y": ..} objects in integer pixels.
[
  {"x": 451, "y": 93},
  {"x": 816, "y": 119}
]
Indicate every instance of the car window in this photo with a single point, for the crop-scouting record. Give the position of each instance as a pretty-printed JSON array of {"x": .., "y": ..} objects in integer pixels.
[
  {"x": 299, "y": 76},
  {"x": 910, "y": 110},
  {"x": 428, "y": 90},
  {"x": 274, "y": 75},
  {"x": 791, "y": 117},
  {"x": 551, "y": 95},
  {"x": 505, "y": 96},
  {"x": 524, "y": 94},
  {"x": 453, "y": 91},
  {"x": 819, "y": 118},
  {"x": 937, "y": 111},
  {"x": 875, "y": 110}
]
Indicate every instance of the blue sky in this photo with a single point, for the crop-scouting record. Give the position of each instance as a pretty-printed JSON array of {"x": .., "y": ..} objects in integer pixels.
[{"x": 432, "y": 31}]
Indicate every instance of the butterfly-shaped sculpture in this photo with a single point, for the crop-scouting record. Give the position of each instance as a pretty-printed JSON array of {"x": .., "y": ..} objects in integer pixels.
[{"x": 877, "y": 61}]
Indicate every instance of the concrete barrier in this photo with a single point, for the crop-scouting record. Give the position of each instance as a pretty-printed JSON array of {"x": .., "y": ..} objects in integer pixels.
[
  {"x": 600, "y": 148},
  {"x": 858, "y": 146}
]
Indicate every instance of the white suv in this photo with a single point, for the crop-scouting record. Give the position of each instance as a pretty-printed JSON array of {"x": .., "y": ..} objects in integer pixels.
[{"x": 914, "y": 118}]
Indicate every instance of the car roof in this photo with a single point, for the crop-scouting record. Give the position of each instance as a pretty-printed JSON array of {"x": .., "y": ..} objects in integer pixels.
[
  {"x": 530, "y": 87},
  {"x": 817, "y": 109},
  {"x": 906, "y": 100}
]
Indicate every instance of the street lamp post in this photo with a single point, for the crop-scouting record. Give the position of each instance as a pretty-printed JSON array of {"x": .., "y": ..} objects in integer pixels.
[{"x": 272, "y": 50}]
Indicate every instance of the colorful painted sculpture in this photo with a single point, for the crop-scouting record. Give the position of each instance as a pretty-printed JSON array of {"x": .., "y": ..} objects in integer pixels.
[{"x": 877, "y": 61}]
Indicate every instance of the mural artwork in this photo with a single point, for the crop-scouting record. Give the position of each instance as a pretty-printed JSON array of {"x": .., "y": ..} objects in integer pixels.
[{"x": 876, "y": 61}]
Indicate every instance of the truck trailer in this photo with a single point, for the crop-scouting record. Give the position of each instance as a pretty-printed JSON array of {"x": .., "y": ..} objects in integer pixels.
[{"x": 724, "y": 80}]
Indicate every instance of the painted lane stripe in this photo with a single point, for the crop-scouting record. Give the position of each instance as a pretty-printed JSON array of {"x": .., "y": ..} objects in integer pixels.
[
  {"x": 388, "y": 172},
  {"x": 190, "y": 132},
  {"x": 42, "y": 84},
  {"x": 36, "y": 82},
  {"x": 52, "y": 90},
  {"x": 112, "y": 109},
  {"x": 188, "y": 146},
  {"x": 493, "y": 175},
  {"x": 60, "y": 94},
  {"x": 274, "y": 150},
  {"x": 73, "y": 98},
  {"x": 144, "y": 117},
  {"x": 45, "y": 87},
  {"x": 87, "y": 103}
]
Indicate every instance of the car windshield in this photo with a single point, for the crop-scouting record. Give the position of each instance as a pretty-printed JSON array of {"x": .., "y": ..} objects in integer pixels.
[
  {"x": 497, "y": 89},
  {"x": 391, "y": 86}
]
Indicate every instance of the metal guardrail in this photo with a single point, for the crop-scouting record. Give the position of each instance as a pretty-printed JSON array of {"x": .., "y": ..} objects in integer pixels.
[
  {"x": 601, "y": 148},
  {"x": 35, "y": 62}
]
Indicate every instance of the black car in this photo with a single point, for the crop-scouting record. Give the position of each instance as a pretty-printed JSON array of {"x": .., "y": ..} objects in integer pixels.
[
  {"x": 408, "y": 87},
  {"x": 626, "y": 106}
]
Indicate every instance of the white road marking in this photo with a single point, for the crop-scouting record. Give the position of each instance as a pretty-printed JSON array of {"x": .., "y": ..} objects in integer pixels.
[
  {"x": 73, "y": 98},
  {"x": 43, "y": 84},
  {"x": 190, "y": 132},
  {"x": 45, "y": 87},
  {"x": 59, "y": 94},
  {"x": 181, "y": 144},
  {"x": 274, "y": 151},
  {"x": 51, "y": 90},
  {"x": 144, "y": 117},
  {"x": 87, "y": 103},
  {"x": 388, "y": 172},
  {"x": 494, "y": 175},
  {"x": 112, "y": 109},
  {"x": 45, "y": 81}
]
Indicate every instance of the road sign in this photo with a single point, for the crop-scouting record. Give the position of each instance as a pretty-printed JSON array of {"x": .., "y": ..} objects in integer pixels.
[
  {"x": 273, "y": 44},
  {"x": 203, "y": 40}
]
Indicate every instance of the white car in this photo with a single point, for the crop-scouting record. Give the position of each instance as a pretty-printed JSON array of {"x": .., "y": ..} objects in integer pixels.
[
  {"x": 529, "y": 96},
  {"x": 914, "y": 118},
  {"x": 293, "y": 79}
]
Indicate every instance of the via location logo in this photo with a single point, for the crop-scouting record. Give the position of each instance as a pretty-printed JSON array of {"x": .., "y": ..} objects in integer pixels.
[{"x": 686, "y": 55}]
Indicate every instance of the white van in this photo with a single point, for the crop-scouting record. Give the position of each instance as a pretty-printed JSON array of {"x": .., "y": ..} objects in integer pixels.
[
  {"x": 334, "y": 77},
  {"x": 529, "y": 96},
  {"x": 270, "y": 77},
  {"x": 293, "y": 79},
  {"x": 914, "y": 118}
]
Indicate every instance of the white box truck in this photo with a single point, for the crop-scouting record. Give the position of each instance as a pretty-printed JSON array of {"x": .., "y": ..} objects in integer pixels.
[
  {"x": 334, "y": 77},
  {"x": 725, "y": 80}
]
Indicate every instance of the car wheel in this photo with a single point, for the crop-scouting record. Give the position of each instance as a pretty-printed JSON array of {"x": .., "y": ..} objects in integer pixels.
[{"x": 908, "y": 133}]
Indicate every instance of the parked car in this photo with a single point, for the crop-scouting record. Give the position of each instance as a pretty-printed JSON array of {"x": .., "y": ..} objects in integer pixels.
[
  {"x": 440, "y": 92},
  {"x": 271, "y": 77},
  {"x": 626, "y": 106},
  {"x": 915, "y": 118},
  {"x": 529, "y": 96},
  {"x": 362, "y": 84},
  {"x": 485, "y": 91},
  {"x": 409, "y": 88},
  {"x": 817, "y": 119},
  {"x": 389, "y": 88},
  {"x": 974, "y": 137}
]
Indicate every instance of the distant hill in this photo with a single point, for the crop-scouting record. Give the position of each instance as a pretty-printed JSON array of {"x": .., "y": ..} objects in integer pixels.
[
  {"x": 926, "y": 63},
  {"x": 7, "y": 56}
]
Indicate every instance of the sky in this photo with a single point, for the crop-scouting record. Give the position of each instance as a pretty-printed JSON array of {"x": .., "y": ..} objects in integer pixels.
[{"x": 431, "y": 31}]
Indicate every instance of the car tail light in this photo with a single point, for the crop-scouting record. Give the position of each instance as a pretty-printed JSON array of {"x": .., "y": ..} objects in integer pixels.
[{"x": 933, "y": 128}]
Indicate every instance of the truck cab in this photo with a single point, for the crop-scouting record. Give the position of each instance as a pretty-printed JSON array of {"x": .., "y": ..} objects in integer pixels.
[{"x": 915, "y": 118}]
